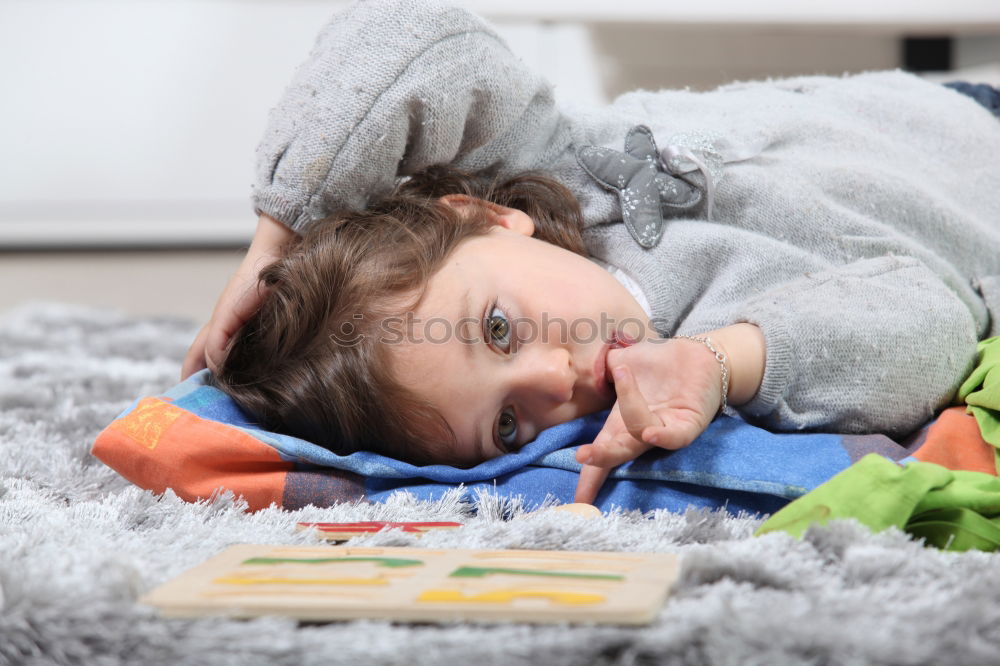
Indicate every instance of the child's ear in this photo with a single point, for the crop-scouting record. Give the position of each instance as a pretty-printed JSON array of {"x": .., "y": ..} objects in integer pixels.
[{"x": 509, "y": 218}]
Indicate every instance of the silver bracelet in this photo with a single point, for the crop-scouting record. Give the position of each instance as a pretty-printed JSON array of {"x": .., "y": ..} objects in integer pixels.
[{"x": 720, "y": 357}]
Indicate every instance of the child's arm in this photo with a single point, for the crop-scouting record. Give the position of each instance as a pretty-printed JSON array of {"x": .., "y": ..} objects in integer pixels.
[
  {"x": 391, "y": 87},
  {"x": 670, "y": 392},
  {"x": 874, "y": 346}
]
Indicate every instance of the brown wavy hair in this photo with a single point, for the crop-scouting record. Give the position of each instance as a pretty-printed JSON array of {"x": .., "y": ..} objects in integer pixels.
[{"x": 309, "y": 362}]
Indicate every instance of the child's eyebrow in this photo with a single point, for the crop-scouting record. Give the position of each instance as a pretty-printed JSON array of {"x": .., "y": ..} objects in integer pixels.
[{"x": 467, "y": 320}]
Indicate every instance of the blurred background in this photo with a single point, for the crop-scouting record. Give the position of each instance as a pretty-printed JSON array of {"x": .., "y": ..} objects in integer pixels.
[{"x": 129, "y": 126}]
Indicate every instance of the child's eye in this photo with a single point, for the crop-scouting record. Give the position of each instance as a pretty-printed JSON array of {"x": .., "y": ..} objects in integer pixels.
[
  {"x": 498, "y": 328},
  {"x": 498, "y": 332},
  {"x": 507, "y": 429}
]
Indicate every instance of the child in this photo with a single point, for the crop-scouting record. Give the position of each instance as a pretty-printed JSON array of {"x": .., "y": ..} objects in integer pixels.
[
  {"x": 363, "y": 341},
  {"x": 827, "y": 240}
]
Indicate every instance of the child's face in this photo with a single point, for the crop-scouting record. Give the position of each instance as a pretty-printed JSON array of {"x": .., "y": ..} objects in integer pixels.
[{"x": 511, "y": 337}]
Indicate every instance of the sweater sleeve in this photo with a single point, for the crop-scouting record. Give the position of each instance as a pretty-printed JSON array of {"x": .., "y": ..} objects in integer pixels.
[
  {"x": 392, "y": 86},
  {"x": 874, "y": 346}
]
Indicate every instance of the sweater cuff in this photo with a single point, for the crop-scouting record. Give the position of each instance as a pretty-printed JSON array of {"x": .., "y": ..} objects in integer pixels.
[
  {"x": 289, "y": 214},
  {"x": 777, "y": 364}
]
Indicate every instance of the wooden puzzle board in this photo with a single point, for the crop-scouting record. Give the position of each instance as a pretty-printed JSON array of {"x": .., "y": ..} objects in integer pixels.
[{"x": 347, "y": 582}]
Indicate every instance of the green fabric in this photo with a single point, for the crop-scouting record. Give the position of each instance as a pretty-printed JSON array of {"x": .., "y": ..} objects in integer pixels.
[
  {"x": 981, "y": 392},
  {"x": 952, "y": 510},
  {"x": 949, "y": 509},
  {"x": 955, "y": 529}
]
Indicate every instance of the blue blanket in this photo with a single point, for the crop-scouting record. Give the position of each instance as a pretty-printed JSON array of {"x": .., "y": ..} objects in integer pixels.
[{"x": 194, "y": 440}]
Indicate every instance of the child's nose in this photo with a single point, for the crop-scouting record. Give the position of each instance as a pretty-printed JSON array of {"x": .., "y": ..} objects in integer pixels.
[{"x": 547, "y": 376}]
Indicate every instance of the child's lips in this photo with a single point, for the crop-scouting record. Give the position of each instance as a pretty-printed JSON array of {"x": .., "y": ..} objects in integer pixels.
[
  {"x": 622, "y": 340},
  {"x": 602, "y": 370}
]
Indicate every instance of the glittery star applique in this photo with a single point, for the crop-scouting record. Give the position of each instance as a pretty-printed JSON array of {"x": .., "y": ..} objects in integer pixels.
[{"x": 637, "y": 176}]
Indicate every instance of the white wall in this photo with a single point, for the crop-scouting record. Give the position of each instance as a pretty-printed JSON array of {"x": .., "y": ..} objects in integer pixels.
[
  {"x": 139, "y": 117},
  {"x": 135, "y": 121}
]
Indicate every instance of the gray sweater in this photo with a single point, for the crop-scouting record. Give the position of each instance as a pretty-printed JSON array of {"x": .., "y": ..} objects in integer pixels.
[{"x": 856, "y": 220}]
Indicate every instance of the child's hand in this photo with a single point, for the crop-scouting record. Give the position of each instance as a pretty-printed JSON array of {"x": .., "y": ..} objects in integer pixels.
[
  {"x": 669, "y": 392},
  {"x": 238, "y": 301}
]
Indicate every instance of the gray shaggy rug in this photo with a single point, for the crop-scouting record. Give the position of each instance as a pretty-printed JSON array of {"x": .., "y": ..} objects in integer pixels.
[{"x": 79, "y": 545}]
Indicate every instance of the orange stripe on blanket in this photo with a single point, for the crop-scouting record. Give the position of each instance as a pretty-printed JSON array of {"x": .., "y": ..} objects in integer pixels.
[
  {"x": 955, "y": 441},
  {"x": 158, "y": 446}
]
